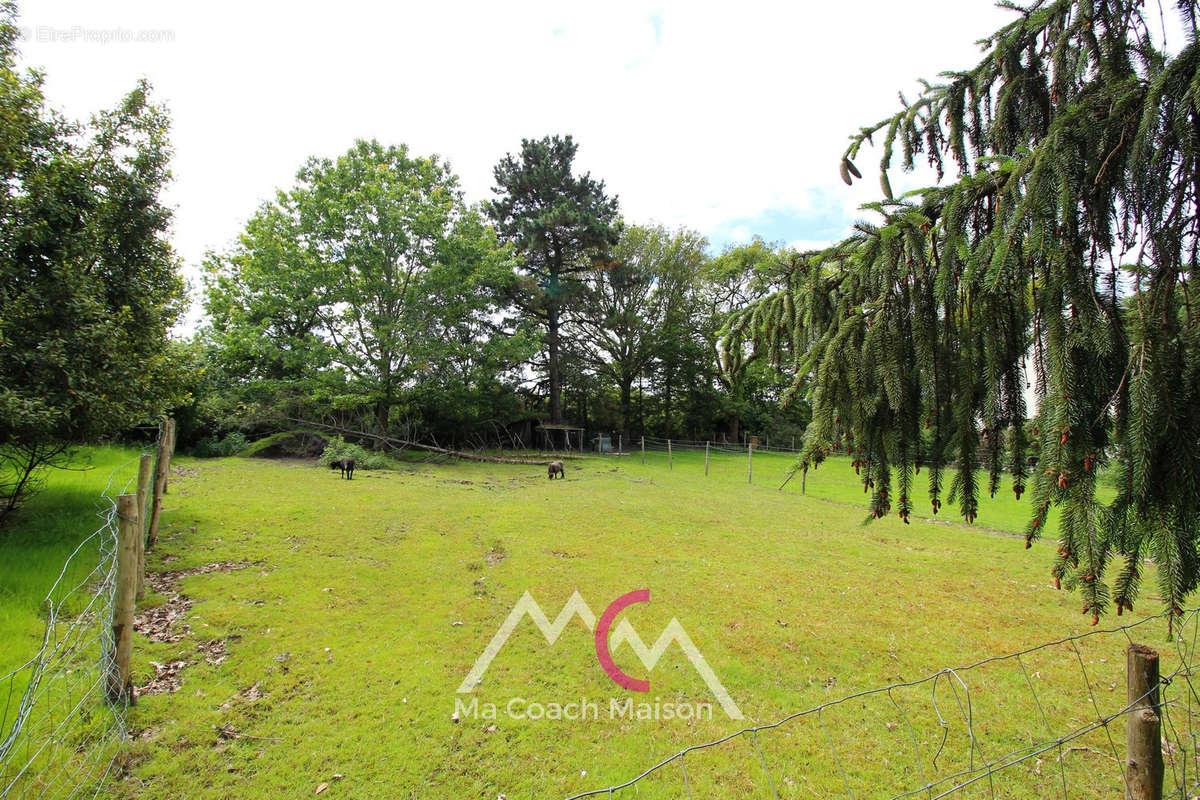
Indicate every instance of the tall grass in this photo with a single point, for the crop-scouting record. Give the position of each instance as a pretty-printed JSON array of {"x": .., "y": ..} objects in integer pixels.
[{"x": 37, "y": 540}]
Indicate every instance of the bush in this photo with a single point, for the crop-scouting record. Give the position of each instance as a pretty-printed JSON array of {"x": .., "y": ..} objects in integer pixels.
[
  {"x": 363, "y": 459},
  {"x": 213, "y": 447},
  {"x": 287, "y": 444}
]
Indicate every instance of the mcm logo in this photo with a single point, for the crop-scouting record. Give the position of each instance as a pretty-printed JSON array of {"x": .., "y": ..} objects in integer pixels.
[{"x": 607, "y": 639}]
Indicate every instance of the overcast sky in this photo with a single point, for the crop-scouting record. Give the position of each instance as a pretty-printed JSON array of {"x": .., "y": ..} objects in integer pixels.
[{"x": 727, "y": 118}]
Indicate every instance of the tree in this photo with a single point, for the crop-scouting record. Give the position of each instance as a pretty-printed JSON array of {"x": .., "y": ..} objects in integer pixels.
[
  {"x": 737, "y": 278},
  {"x": 635, "y": 306},
  {"x": 89, "y": 286},
  {"x": 560, "y": 225},
  {"x": 366, "y": 281},
  {"x": 1067, "y": 241},
  {"x": 263, "y": 300}
]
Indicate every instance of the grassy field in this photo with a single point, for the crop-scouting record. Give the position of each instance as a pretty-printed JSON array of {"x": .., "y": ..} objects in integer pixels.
[
  {"x": 36, "y": 543},
  {"x": 322, "y": 627}
]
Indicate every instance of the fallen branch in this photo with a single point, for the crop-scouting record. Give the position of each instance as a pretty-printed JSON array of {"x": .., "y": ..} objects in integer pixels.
[{"x": 400, "y": 444}]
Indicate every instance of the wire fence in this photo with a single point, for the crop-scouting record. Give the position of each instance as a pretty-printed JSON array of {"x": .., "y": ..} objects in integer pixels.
[
  {"x": 62, "y": 729},
  {"x": 1048, "y": 721}
]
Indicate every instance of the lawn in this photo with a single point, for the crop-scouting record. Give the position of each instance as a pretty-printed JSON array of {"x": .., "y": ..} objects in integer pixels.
[
  {"x": 37, "y": 542},
  {"x": 324, "y": 626}
]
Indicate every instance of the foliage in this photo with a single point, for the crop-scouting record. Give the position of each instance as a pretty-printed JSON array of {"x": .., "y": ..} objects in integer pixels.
[
  {"x": 1060, "y": 258},
  {"x": 88, "y": 283},
  {"x": 635, "y": 312},
  {"x": 366, "y": 283},
  {"x": 560, "y": 225},
  {"x": 217, "y": 447},
  {"x": 339, "y": 448}
]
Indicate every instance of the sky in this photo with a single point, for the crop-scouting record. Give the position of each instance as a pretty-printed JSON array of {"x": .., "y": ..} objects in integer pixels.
[{"x": 726, "y": 118}]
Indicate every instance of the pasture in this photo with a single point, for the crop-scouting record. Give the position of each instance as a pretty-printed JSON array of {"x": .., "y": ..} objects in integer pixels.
[
  {"x": 45, "y": 532},
  {"x": 313, "y": 631}
]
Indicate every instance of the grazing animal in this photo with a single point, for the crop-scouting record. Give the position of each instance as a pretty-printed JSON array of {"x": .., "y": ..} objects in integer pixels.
[
  {"x": 555, "y": 468},
  {"x": 346, "y": 465}
]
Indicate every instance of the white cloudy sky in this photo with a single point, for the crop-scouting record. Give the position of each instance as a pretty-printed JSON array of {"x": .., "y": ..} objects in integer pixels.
[{"x": 728, "y": 118}]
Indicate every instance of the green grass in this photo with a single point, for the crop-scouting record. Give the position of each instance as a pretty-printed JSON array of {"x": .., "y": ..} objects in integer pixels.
[
  {"x": 37, "y": 540},
  {"x": 362, "y": 605}
]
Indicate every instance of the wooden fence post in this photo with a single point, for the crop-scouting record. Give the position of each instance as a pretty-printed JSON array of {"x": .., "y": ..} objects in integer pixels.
[
  {"x": 162, "y": 464},
  {"x": 643, "y": 449},
  {"x": 670, "y": 458},
  {"x": 120, "y": 677},
  {"x": 750, "y": 463},
  {"x": 1143, "y": 745},
  {"x": 706, "y": 458},
  {"x": 170, "y": 436},
  {"x": 620, "y": 444},
  {"x": 143, "y": 486}
]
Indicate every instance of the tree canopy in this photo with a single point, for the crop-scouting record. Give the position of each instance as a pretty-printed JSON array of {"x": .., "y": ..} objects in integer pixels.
[
  {"x": 368, "y": 280},
  {"x": 89, "y": 286},
  {"x": 636, "y": 312},
  {"x": 1060, "y": 258},
  {"x": 560, "y": 224}
]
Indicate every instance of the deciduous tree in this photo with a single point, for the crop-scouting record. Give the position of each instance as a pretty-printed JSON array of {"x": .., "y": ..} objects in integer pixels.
[
  {"x": 636, "y": 307},
  {"x": 89, "y": 285},
  {"x": 366, "y": 280}
]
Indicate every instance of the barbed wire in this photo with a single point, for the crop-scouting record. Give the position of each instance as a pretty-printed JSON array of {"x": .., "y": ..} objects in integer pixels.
[
  {"x": 1179, "y": 707},
  {"x": 60, "y": 731}
]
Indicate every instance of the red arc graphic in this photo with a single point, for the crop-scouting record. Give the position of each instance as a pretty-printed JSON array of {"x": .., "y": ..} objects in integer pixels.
[{"x": 602, "y": 628}]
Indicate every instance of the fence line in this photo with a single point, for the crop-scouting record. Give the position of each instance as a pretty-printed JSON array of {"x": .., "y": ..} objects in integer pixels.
[
  {"x": 60, "y": 723},
  {"x": 1179, "y": 710}
]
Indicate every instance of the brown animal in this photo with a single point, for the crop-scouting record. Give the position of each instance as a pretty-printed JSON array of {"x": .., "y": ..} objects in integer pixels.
[{"x": 555, "y": 468}]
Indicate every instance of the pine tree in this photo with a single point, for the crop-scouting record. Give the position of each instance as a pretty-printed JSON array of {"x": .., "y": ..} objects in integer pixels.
[
  {"x": 1060, "y": 255},
  {"x": 560, "y": 224}
]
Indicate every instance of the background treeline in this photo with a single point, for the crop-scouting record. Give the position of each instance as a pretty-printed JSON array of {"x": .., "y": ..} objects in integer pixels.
[
  {"x": 371, "y": 296},
  {"x": 368, "y": 295}
]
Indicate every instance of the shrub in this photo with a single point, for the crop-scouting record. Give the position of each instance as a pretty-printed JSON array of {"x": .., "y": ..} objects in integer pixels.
[
  {"x": 363, "y": 458},
  {"x": 214, "y": 447}
]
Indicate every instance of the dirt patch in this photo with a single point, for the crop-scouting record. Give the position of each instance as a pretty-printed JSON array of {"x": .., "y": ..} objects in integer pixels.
[
  {"x": 563, "y": 554},
  {"x": 214, "y": 651},
  {"x": 164, "y": 624},
  {"x": 185, "y": 472},
  {"x": 252, "y": 693},
  {"x": 166, "y": 677},
  {"x": 159, "y": 623},
  {"x": 495, "y": 554}
]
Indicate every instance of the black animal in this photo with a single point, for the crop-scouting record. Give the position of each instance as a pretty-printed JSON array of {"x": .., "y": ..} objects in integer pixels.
[
  {"x": 346, "y": 465},
  {"x": 555, "y": 468}
]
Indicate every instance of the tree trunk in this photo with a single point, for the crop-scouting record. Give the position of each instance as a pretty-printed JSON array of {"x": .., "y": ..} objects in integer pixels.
[
  {"x": 583, "y": 421},
  {"x": 626, "y": 409},
  {"x": 382, "y": 411},
  {"x": 383, "y": 408},
  {"x": 641, "y": 407},
  {"x": 735, "y": 428},
  {"x": 667, "y": 411},
  {"x": 552, "y": 356}
]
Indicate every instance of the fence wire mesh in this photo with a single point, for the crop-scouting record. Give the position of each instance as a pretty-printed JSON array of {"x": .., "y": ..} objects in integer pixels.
[
  {"x": 1048, "y": 721},
  {"x": 61, "y": 734}
]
